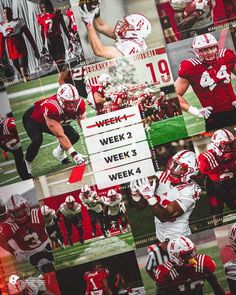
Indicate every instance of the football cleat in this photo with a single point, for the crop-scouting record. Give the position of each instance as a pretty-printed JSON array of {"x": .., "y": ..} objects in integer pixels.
[
  {"x": 18, "y": 208},
  {"x": 68, "y": 97},
  {"x": 134, "y": 26},
  {"x": 182, "y": 166},
  {"x": 182, "y": 251}
]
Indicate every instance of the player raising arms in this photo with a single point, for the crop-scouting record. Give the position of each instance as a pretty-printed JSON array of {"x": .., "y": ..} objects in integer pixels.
[
  {"x": 52, "y": 115},
  {"x": 129, "y": 35},
  {"x": 12, "y": 30},
  {"x": 209, "y": 74},
  {"x": 25, "y": 234},
  {"x": 172, "y": 195},
  {"x": 218, "y": 164},
  {"x": 186, "y": 271}
]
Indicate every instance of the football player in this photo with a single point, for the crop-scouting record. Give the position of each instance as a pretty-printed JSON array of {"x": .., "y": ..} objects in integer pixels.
[
  {"x": 97, "y": 94},
  {"x": 120, "y": 98},
  {"x": 230, "y": 266},
  {"x": 10, "y": 142},
  {"x": 186, "y": 271},
  {"x": 51, "y": 225},
  {"x": 52, "y": 115},
  {"x": 96, "y": 280},
  {"x": 71, "y": 212},
  {"x": 90, "y": 200},
  {"x": 29, "y": 286},
  {"x": 172, "y": 195},
  {"x": 25, "y": 234},
  {"x": 50, "y": 22},
  {"x": 129, "y": 35},
  {"x": 11, "y": 31},
  {"x": 209, "y": 74},
  {"x": 193, "y": 17},
  {"x": 148, "y": 99},
  {"x": 219, "y": 165}
]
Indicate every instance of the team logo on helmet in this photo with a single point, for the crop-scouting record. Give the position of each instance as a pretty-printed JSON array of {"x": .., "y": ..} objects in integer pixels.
[
  {"x": 18, "y": 208},
  {"x": 223, "y": 144},
  {"x": 68, "y": 97}
]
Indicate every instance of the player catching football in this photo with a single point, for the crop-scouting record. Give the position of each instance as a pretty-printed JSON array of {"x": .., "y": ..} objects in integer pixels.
[
  {"x": 218, "y": 164},
  {"x": 186, "y": 271},
  {"x": 129, "y": 35},
  {"x": 172, "y": 195},
  {"x": 52, "y": 115},
  {"x": 193, "y": 17},
  {"x": 209, "y": 74}
]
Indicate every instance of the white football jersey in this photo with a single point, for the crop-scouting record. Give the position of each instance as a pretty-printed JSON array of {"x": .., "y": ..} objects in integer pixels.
[
  {"x": 49, "y": 218},
  {"x": 113, "y": 206},
  {"x": 31, "y": 286},
  {"x": 127, "y": 47},
  {"x": 70, "y": 213},
  {"x": 90, "y": 202},
  {"x": 12, "y": 28},
  {"x": 186, "y": 196}
]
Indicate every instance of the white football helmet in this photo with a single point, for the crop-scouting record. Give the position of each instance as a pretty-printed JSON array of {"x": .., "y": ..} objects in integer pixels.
[
  {"x": 68, "y": 97},
  {"x": 182, "y": 251},
  {"x": 232, "y": 237},
  {"x": 135, "y": 26},
  {"x": 16, "y": 285},
  {"x": 122, "y": 88},
  {"x": 202, "y": 42},
  {"x": 18, "y": 208},
  {"x": 70, "y": 201},
  {"x": 111, "y": 194},
  {"x": 182, "y": 166},
  {"x": 222, "y": 142},
  {"x": 45, "y": 210},
  {"x": 105, "y": 80},
  {"x": 85, "y": 189}
]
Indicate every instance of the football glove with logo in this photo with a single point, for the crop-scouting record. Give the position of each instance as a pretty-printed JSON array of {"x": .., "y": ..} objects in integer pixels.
[
  {"x": 147, "y": 190},
  {"x": 201, "y": 113}
]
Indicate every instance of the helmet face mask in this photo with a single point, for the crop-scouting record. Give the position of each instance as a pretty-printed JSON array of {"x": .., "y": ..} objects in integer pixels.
[
  {"x": 18, "y": 208},
  {"x": 223, "y": 144}
]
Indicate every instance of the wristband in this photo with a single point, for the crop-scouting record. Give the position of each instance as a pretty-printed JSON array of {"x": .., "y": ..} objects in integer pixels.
[{"x": 152, "y": 201}]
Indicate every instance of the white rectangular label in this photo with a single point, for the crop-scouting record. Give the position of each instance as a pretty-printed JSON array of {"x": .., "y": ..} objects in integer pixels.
[
  {"x": 115, "y": 138},
  {"x": 120, "y": 156},
  {"x": 124, "y": 174},
  {"x": 110, "y": 121}
]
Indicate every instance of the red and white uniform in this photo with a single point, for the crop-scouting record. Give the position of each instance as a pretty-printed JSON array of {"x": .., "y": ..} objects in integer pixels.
[
  {"x": 185, "y": 280},
  {"x": 210, "y": 165},
  {"x": 71, "y": 17},
  {"x": 94, "y": 281},
  {"x": 129, "y": 46},
  {"x": 30, "y": 237},
  {"x": 91, "y": 102},
  {"x": 33, "y": 286},
  {"x": 186, "y": 196},
  {"x": 50, "y": 23},
  {"x": 12, "y": 33},
  {"x": 113, "y": 206},
  {"x": 9, "y": 139},
  {"x": 120, "y": 100},
  {"x": 212, "y": 83},
  {"x": 51, "y": 108}
]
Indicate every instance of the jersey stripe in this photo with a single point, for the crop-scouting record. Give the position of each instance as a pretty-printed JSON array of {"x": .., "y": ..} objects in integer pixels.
[{"x": 211, "y": 159}]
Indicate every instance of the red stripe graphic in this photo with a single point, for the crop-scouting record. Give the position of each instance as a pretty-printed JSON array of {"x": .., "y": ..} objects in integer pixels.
[{"x": 110, "y": 121}]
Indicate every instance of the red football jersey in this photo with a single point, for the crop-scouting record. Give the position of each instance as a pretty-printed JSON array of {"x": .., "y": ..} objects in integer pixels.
[
  {"x": 185, "y": 280},
  {"x": 12, "y": 32},
  {"x": 94, "y": 281},
  {"x": 211, "y": 83},
  {"x": 215, "y": 169},
  {"x": 28, "y": 236},
  {"x": 120, "y": 100},
  {"x": 9, "y": 139},
  {"x": 51, "y": 108},
  {"x": 71, "y": 17},
  {"x": 50, "y": 23}
]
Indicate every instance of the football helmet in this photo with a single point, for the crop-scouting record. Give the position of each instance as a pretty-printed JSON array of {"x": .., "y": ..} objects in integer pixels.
[
  {"x": 105, "y": 80},
  {"x": 182, "y": 166},
  {"x": 182, "y": 251},
  {"x": 135, "y": 26},
  {"x": 222, "y": 143},
  {"x": 68, "y": 97},
  {"x": 45, "y": 210},
  {"x": 111, "y": 194},
  {"x": 122, "y": 88},
  {"x": 232, "y": 237},
  {"x": 18, "y": 208},
  {"x": 45, "y": 62},
  {"x": 16, "y": 285},
  {"x": 206, "y": 48},
  {"x": 70, "y": 201},
  {"x": 85, "y": 189}
]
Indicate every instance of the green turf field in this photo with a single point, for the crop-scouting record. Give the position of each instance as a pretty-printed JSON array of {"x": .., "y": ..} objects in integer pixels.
[{"x": 149, "y": 284}]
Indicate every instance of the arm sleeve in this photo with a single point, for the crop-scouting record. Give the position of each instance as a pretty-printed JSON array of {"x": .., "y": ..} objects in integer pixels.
[{"x": 185, "y": 70}]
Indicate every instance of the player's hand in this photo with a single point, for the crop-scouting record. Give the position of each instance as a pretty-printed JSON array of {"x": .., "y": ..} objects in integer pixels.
[
  {"x": 234, "y": 104},
  {"x": 78, "y": 159},
  {"x": 147, "y": 190},
  {"x": 201, "y": 113},
  {"x": 87, "y": 16},
  {"x": 20, "y": 256},
  {"x": 44, "y": 50}
]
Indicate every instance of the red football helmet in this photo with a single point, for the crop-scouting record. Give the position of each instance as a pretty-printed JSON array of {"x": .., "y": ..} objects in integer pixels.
[
  {"x": 68, "y": 98},
  {"x": 223, "y": 144},
  {"x": 206, "y": 48},
  {"x": 70, "y": 202},
  {"x": 182, "y": 166},
  {"x": 18, "y": 208}
]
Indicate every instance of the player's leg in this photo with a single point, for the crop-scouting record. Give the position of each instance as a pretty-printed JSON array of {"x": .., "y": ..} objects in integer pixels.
[
  {"x": 24, "y": 68},
  {"x": 93, "y": 220},
  {"x": 43, "y": 260},
  {"x": 77, "y": 221},
  {"x": 68, "y": 226},
  {"x": 100, "y": 217},
  {"x": 20, "y": 164},
  {"x": 57, "y": 50}
]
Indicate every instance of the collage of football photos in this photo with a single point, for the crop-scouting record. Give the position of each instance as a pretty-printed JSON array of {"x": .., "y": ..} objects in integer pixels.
[{"x": 117, "y": 147}]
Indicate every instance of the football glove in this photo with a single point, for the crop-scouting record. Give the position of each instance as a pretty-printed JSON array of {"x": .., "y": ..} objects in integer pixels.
[
  {"x": 201, "y": 113},
  {"x": 77, "y": 158},
  {"x": 234, "y": 104},
  {"x": 147, "y": 190},
  {"x": 87, "y": 16}
]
